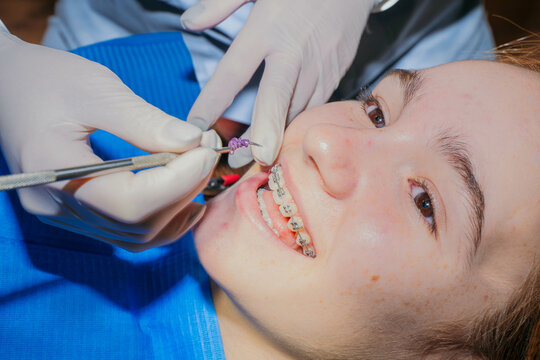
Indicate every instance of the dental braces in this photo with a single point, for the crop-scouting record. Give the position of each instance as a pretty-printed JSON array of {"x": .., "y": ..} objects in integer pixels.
[{"x": 288, "y": 208}]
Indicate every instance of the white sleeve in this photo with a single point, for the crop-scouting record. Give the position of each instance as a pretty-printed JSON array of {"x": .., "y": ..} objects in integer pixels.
[{"x": 3, "y": 27}]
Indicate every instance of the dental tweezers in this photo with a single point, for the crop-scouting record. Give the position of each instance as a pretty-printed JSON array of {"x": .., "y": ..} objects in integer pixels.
[{"x": 22, "y": 180}]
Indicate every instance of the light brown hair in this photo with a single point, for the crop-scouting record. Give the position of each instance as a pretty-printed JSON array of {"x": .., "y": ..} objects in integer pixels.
[{"x": 509, "y": 332}]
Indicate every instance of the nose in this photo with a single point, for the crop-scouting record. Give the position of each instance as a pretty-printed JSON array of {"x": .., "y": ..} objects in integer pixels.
[{"x": 334, "y": 150}]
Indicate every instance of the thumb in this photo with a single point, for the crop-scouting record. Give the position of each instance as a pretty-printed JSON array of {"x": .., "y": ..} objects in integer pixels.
[
  {"x": 208, "y": 13},
  {"x": 131, "y": 118}
]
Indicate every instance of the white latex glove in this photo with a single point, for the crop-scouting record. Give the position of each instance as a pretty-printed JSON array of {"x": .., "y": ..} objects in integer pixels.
[
  {"x": 50, "y": 102},
  {"x": 307, "y": 46}
]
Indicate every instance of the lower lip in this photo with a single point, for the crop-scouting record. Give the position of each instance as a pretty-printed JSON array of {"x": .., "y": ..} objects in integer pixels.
[{"x": 246, "y": 201}]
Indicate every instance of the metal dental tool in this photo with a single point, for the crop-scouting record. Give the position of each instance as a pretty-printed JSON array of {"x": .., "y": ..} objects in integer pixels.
[{"x": 16, "y": 181}]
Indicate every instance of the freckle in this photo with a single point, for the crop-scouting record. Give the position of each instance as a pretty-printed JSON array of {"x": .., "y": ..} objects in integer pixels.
[
  {"x": 375, "y": 277},
  {"x": 320, "y": 301},
  {"x": 445, "y": 266},
  {"x": 485, "y": 297}
]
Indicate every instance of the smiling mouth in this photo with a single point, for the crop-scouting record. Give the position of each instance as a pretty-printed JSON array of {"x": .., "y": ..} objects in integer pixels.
[{"x": 280, "y": 213}]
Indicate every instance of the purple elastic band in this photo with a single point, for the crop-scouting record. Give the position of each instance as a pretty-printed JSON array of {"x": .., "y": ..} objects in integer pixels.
[{"x": 236, "y": 143}]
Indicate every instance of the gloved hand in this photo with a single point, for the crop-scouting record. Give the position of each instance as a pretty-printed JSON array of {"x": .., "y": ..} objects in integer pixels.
[
  {"x": 50, "y": 102},
  {"x": 307, "y": 46}
]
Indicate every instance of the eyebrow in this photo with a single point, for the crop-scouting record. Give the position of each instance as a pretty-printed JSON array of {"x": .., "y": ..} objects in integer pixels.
[
  {"x": 455, "y": 151},
  {"x": 411, "y": 83}
]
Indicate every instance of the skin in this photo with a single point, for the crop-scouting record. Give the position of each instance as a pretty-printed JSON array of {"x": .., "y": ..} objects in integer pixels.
[{"x": 380, "y": 274}]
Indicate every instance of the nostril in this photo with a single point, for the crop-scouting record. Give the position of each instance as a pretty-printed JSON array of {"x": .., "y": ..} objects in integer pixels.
[
  {"x": 321, "y": 176},
  {"x": 312, "y": 161}
]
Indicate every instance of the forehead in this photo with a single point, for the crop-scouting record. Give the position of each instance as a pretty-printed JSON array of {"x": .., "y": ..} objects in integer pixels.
[
  {"x": 494, "y": 106},
  {"x": 483, "y": 93}
]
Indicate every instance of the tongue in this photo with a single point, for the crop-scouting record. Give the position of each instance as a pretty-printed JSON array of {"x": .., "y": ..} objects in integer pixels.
[{"x": 279, "y": 222}]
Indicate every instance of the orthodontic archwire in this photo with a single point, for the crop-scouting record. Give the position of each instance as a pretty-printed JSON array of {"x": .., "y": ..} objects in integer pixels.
[{"x": 295, "y": 223}]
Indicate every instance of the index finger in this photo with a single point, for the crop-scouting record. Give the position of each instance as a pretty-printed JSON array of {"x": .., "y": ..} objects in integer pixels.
[{"x": 233, "y": 72}]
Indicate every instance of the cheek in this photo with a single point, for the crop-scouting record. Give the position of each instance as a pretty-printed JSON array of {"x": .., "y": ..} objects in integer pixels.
[
  {"x": 372, "y": 250},
  {"x": 379, "y": 255}
]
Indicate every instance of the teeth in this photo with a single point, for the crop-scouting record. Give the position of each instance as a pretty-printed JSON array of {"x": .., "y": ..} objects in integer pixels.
[
  {"x": 276, "y": 169},
  {"x": 295, "y": 223},
  {"x": 308, "y": 251},
  {"x": 275, "y": 181},
  {"x": 303, "y": 239},
  {"x": 281, "y": 196},
  {"x": 287, "y": 207},
  {"x": 264, "y": 210}
]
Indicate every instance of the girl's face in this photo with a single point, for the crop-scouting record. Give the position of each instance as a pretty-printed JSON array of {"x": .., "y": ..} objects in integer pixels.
[{"x": 421, "y": 202}]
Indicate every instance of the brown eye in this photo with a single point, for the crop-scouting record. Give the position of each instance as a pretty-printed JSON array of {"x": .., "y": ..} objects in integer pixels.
[
  {"x": 423, "y": 202},
  {"x": 375, "y": 114},
  {"x": 422, "y": 199}
]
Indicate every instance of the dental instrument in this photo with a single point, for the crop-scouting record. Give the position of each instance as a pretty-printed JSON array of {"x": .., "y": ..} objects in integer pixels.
[{"x": 17, "y": 181}]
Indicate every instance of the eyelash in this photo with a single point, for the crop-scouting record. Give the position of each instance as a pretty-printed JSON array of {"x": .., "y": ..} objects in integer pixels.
[
  {"x": 367, "y": 99},
  {"x": 432, "y": 225}
]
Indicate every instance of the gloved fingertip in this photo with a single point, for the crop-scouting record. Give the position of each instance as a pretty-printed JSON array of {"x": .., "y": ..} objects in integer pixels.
[
  {"x": 265, "y": 155},
  {"x": 264, "y": 160},
  {"x": 198, "y": 122},
  {"x": 240, "y": 158},
  {"x": 210, "y": 162},
  {"x": 190, "y": 15},
  {"x": 210, "y": 139},
  {"x": 180, "y": 133}
]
